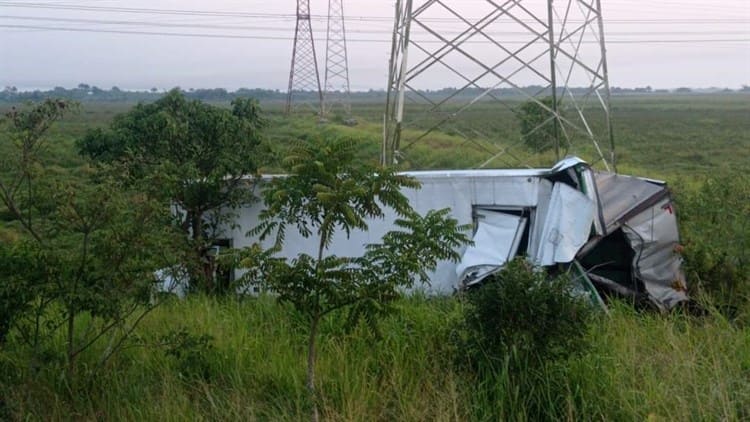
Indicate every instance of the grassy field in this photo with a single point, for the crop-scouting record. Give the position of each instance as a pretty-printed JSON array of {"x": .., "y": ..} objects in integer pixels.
[
  {"x": 656, "y": 136},
  {"x": 245, "y": 358},
  {"x": 638, "y": 367}
]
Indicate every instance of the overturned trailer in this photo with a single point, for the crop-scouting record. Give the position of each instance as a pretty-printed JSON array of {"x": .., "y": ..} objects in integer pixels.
[{"x": 617, "y": 233}]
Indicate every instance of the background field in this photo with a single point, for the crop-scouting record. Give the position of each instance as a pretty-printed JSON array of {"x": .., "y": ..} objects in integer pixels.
[
  {"x": 639, "y": 366},
  {"x": 656, "y": 135}
]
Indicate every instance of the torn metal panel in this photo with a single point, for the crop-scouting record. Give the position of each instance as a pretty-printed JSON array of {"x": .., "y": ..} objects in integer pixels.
[
  {"x": 620, "y": 196},
  {"x": 496, "y": 241},
  {"x": 539, "y": 215},
  {"x": 654, "y": 237},
  {"x": 567, "y": 163},
  {"x": 566, "y": 227},
  {"x": 590, "y": 189}
]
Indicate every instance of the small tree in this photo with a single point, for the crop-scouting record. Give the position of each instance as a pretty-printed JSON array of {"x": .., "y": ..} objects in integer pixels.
[
  {"x": 538, "y": 124},
  {"x": 90, "y": 247},
  {"x": 190, "y": 155},
  {"x": 325, "y": 192},
  {"x": 22, "y": 136}
]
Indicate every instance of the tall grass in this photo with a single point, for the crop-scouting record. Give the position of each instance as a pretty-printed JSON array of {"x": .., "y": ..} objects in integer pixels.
[
  {"x": 639, "y": 366},
  {"x": 667, "y": 368}
]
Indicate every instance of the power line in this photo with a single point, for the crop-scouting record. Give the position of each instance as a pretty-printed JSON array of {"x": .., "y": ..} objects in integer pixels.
[
  {"x": 280, "y": 29},
  {"x": 258, "y": 15},
  {"x": 356, "y": 40}
]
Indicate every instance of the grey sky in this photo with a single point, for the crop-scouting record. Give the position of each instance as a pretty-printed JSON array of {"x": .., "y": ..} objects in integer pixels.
[{"x": 32, "y": 55}]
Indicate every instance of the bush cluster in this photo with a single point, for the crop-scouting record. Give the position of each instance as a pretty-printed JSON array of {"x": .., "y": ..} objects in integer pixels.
[
  {"x": 521, "y": 315},
  {"x": 715, "y": 220},
  {"x": 191, "y": 353}
]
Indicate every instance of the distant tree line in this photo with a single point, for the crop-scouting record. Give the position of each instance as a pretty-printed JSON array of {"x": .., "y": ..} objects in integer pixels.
[{"x": 85, "y": 93}]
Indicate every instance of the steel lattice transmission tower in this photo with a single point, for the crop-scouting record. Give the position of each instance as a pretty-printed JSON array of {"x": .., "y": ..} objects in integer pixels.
[
  {"x": 501, "y": 58},
  {"x": 337, "y": 63},
  {"x": 304, "y": 78}
]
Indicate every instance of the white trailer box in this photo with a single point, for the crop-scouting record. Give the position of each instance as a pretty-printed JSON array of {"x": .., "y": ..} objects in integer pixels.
[{"x": 620, "y": 229}]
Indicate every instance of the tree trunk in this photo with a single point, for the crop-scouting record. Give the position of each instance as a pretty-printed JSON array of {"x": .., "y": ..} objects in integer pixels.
[
  {"x": 311, "y": 358},
  {"x": 4, "y": 329},
  {"x": 202, "y": 275},
  {"x": 71, "y": 341}
]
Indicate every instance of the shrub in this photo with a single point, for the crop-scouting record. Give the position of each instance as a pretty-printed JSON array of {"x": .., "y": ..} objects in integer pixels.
[
  {"x": 521, "y": 315},
  {"x": 192, "y": 353},
  {"x": 18, "y": 273},
  {"x": 537, "y": 124},
  {"x": 715, "y": 220}
]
